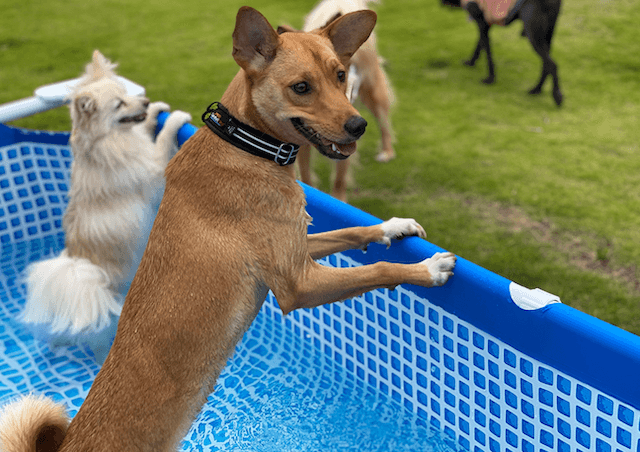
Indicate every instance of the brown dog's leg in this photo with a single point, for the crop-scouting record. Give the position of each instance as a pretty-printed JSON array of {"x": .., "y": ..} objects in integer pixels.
[
  {"x": 341, "y": 181},
  {"x": 320, "y": 285},
  {"x": 325, "y": 243},
  {"x": 376, "y": 94},
  {"x": 304, "y": 164}
]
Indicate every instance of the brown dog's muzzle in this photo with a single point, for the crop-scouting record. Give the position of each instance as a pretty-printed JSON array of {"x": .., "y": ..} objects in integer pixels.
[{"x": 355, "y": 126}]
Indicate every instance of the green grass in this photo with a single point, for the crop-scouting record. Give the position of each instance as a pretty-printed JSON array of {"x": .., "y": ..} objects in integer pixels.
[{"x": 547, "y": 197}]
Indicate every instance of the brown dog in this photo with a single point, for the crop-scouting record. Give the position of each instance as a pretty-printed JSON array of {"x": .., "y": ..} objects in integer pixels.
[
  {"x": 231, "y": 226},
  {"x": 366, "y": 81}
]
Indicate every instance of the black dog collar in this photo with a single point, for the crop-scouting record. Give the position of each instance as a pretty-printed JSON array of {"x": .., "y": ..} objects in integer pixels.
[{"x": 245, "y": 137}]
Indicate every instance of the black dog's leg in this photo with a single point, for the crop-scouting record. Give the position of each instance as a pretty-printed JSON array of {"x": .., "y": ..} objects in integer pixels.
[
  {"x": 476, "y": 54},
  {"x": 483, "y": 42},
  {"x": 539, "y": 27},
  {"x": 553, "y": 13},
  {"x": 484, "y": 32}
]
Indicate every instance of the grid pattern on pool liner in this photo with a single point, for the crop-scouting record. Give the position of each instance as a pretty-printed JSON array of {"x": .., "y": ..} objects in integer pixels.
[
  {"x": 34, "y": 180},
  {"x": 28, "y": 365},
  {"x": 482, "y": 393}
]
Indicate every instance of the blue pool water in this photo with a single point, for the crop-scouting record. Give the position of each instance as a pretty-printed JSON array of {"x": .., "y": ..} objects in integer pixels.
[{"x": 279, "y": 393}]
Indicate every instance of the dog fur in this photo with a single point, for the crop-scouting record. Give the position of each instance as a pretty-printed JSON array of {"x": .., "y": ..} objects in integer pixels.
[
  {"x": 366, "y": 80},
  {"x": 19, "y": 432},
  {"x": 539, "y": 18},
  {"x": 117, "y": 180},
  {"x": 230, "y": 227}
]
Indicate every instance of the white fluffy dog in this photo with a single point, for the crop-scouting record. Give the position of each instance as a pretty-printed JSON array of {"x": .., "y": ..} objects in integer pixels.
[{"x": 117, "y": 181}]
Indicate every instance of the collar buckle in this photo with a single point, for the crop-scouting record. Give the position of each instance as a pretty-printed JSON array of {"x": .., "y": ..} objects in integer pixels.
[{"x": 286, "y": 154}]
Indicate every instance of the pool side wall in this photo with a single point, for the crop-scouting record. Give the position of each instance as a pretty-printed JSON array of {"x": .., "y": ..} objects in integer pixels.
[{"x": 587, "y": 348}]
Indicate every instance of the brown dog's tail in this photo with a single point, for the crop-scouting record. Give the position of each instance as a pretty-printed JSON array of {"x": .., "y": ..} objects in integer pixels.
[{"x": 32, "y": 424}]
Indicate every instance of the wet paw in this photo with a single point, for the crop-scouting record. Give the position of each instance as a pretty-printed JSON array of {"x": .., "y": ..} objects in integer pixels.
[
  {"x": 440, "y": 266},
  {"x": 399, "y": 228}
]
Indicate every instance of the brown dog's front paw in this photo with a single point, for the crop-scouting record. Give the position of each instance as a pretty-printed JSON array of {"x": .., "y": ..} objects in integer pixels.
[
  {"x": 440, "y": 267},
  {"x": 399, "y": 228}
]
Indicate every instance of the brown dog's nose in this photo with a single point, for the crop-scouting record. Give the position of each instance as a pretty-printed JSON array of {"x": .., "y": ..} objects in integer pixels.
[{"x": 355, "y": 126}]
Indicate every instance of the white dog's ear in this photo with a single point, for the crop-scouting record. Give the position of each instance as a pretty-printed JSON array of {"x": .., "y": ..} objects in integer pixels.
[
  {"x": 99, "y": 67},
  {"x": 85, "y": 105},
  {"x": 254, "y": 40},
  {"x": 347, "y": 33}
]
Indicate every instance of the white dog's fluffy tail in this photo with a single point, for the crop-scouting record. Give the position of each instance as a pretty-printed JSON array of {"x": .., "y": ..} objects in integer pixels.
[
  {"x": 69, "y": 296},
  {"x": 32, "y": 424}
]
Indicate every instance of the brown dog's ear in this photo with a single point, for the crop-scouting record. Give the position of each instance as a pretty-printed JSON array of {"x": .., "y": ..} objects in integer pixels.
[
  {"x": 285, "y": 29},
  {"x": 254, "y": 40},
  {"x": 335, "y": 16},
  {"x": 347, "y": 33}
]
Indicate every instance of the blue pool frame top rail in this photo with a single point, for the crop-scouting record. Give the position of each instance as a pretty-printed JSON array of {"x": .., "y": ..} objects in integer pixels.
[{"x": 463, "y": 356}]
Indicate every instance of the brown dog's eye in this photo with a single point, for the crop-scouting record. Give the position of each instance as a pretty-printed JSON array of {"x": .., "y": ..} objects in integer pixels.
[
  {"x": 301, "y": 88},
  {"x": 341, "y": 76}
]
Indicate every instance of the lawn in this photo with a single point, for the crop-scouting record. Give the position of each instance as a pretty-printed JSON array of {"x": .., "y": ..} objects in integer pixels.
[{"x": 548, "y": 197}]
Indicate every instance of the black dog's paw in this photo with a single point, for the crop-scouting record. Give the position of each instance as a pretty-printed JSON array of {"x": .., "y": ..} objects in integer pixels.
[
  {"x": 469, "y": 63},
  {"x": 536, "y": 90},
  {"x": 489, "y": 80},
  {"x": 557, "y": 96}
]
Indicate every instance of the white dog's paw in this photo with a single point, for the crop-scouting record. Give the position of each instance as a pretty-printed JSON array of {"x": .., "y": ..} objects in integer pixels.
[
  {"x": 156, "y": 107},
  {"x": 176, "y": 120},
  {"x": 440, "y": 266},
  {"x": 399, "y": 228}
]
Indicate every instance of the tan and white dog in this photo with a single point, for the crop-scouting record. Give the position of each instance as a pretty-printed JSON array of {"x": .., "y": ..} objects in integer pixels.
[
  {"x": 117, "y": 180},
  {"x": 366, "y": 80},
  {"x": 231, "y": 226}
]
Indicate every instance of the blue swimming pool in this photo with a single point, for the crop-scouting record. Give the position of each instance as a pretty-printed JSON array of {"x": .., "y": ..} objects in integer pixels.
[{"x": 481, "y": 364}]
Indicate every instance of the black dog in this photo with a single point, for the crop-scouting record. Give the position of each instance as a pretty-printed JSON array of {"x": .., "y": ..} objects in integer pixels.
[{"x": 539, "y": 17}]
